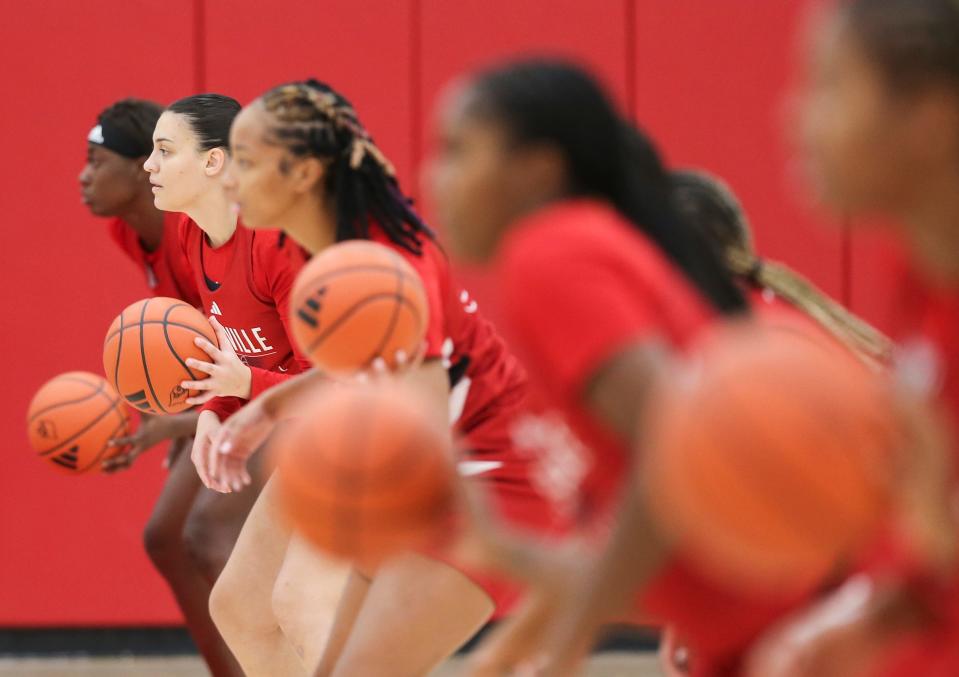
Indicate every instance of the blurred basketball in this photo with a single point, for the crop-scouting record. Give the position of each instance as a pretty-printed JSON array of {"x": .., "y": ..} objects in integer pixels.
[
  {"x": 365, "y": 471},
  {"x": 145, "y": 353},
  {"x": 357, "y": 301},
  {"x": 769, "y": 457},
  {"x": 72, "y": 418}
]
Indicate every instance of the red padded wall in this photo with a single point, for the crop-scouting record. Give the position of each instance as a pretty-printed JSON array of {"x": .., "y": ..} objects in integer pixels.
[{"x": 709, "y": 80}]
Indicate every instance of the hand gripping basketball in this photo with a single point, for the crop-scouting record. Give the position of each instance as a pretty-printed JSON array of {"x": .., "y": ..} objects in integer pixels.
[{"x": 227, "y": 375}]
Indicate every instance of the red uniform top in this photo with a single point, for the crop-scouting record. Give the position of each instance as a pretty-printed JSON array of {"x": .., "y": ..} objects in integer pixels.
[
  {"x": 579, "y": 285},
  {"x": 487, "y": 383},
  {"x": 245, "y": 284},
  {"x": 167, "y": 271},
  {"x": 928, "y": 360}
]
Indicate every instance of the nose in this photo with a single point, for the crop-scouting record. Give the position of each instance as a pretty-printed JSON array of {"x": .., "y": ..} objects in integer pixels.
[
  {"x": 84, "y": 177},
  {"x": 150, "y": 165}
]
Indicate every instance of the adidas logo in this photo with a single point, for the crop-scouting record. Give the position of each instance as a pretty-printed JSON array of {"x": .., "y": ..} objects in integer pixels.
[{"x": 215, "y": 309}]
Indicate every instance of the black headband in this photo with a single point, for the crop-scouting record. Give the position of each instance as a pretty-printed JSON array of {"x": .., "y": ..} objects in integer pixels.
[{"x": 110, "y": 137}]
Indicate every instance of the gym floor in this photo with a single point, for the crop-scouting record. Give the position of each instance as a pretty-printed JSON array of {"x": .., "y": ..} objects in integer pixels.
[{"x": 611, "y": 664}]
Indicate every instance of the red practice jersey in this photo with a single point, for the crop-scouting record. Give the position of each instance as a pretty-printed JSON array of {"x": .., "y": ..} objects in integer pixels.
[
  {"x": 579, "y": 284},
  {"x": 488, "y": 390},
  {"x": 927, "y": 360},
  {"x": 165, "y": 268},
  {"x": 245, "y": 284}
]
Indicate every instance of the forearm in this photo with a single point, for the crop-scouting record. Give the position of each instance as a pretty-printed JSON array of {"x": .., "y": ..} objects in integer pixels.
[
  {"x": 184, "y": 424},
  {"x": 276, "y": 400}
]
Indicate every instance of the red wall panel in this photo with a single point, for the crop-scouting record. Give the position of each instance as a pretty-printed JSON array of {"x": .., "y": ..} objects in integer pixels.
[
  {"x": 712, "y": 80},
  {"x": 70, "y": 547},
  {"x": 708, "y": 79},
  {"x": 362, "y": 49}
]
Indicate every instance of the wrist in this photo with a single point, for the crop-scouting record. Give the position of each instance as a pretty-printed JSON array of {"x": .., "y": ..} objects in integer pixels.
[{"x": 246, "y": 383}]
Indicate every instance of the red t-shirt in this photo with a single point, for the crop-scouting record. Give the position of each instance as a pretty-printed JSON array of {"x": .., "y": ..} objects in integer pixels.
[
  {"x": 167, "y": 271},
  {"x": 487, "y": 383},
  {"x": 578, "y": 285},
  {"x": 928, "y": 360},
  {"x": 245, "y": 283}
]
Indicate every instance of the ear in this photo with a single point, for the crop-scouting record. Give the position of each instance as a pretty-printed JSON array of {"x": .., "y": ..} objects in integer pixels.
[
  {"x": 306, "y": 173},
  {"x": 544, "y": 167},
  {"x": 216, "y": 160},
  {"x": 936, "y": 123}
]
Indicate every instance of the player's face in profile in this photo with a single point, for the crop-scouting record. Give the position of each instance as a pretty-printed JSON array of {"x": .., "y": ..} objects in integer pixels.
[
  {"x": 177, "y": 166},
  {"x": 109, "y": 182},
  {"x": 260, "y": 178},
  {"x": 471, "y": 179},
  {"x": 859, "y": 136}
]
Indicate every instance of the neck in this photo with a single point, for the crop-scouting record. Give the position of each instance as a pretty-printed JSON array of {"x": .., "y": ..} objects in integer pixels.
[
  {"x": 146, "y": 220},
  {"x": 312, "y": 224},
  {"x": 215, "y": 216},
  {"x": 934, "y": 228}
]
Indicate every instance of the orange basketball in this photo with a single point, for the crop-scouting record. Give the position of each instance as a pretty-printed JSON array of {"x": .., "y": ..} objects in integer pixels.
[
  {"x": 769, "y": 457},
  {"x": 357, "y": 301},
  {"x": 145, "y": 353},
  {"x": 71, "y": 419},
  {"x": 365, "y": 472}
]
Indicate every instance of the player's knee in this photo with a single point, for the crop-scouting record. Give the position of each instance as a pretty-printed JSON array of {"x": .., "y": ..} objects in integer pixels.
[
  {"x": 226, "y": 607},
  {"x": 205, "y": 544},
  {"x": 163, "y": 544}
]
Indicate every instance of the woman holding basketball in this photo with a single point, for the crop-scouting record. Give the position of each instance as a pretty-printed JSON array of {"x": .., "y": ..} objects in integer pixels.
[
  {"x": 242, "y": 281},
  {"x": 303, "y": 161},
  {"x": 881, "y": 128},
  {"x": 114, "y": 184},
  {"x": 539, "y": 175}
]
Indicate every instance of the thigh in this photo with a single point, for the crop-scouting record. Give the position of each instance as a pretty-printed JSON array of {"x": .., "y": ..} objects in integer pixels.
[
  {"x": 256, "y": 559},
  {"x": 306, "y": 595},
  {"x": 417, "y": 612},
  {"x": 351, "y": 601}
]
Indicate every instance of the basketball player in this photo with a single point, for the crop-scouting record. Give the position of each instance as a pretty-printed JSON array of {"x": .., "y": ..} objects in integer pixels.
[
  {"x": 304, "y": 161},
  {"x": 242, "y": 280},
  {"x": 113, "y": 184},
  {"x": 882, "y": 136}
]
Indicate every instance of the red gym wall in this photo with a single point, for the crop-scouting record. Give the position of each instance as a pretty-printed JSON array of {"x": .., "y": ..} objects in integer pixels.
[{"x": 709, "y": 79}]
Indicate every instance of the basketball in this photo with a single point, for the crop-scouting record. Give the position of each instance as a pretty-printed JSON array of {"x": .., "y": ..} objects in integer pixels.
[
  {"x": 72, "y": 418},
  {"x": 769, "y": 457},
  {"x": 357, "y": 301},
  {"x": 365, "y": 471},
  {"x": 146, "y": 349}
]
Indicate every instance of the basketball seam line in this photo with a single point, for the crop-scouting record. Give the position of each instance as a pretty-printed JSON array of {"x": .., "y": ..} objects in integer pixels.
[
  {"x": 81, "y": 431},
  {"x": 143, "y": 357},
  {"x": 105, "y": 446},
  {"x": 171, "y": 324},
  {"x": 352, "y": 311},
  {"x": 98, "y": 389},
  {"x": 396, "y": 313},
  {"x": 170, "y": 344}
]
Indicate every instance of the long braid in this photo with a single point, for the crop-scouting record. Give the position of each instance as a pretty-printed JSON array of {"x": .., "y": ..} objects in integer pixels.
[
  {"x": 708, "y": 203},
  {"x": 313, "y": 120}
]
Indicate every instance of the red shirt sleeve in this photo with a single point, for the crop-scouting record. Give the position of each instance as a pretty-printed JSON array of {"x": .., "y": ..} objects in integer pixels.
[
  {"x": 570, "y": 305},
  {"x": 274, "y": 271},
  {"x": 435, "y": 281},
  {"x": 224, "y": 407}
]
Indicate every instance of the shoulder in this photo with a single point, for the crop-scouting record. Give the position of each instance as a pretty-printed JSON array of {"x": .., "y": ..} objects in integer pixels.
[{"x": 574, "y": 235}]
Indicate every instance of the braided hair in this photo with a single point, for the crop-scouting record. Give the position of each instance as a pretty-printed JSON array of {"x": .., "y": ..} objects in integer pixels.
[
  {"x": 709, "y": 204},
  {"x": 311, "y": 119}
]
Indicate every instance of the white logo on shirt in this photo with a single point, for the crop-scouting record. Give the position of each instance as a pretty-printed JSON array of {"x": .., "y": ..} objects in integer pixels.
[
  {"x": 470, "y": 468},
  {"x": 96, "y": 135},
  {"x": 469, "y": 305},
  {"x": 215, "y": 309}
]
